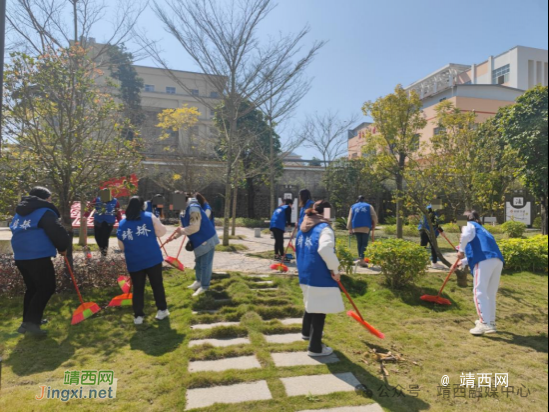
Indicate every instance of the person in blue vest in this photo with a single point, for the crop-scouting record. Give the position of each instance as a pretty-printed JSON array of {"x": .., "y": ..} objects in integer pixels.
[
  {"x": 104, "y": 218},
  {"x": 305, "y": 203},
  {"x": 424, "y": 228},
  {"x": 203, "y": 238},
  {"x": 479, "y": 250},
  {"x": 155, "y": 210},
  {"x": 37, "y": 236},
  {"x": 318, "y": 268},
  {"x": 282, "y": 217},
  {"x": 361, "y": 222},
  {"x": 205, "y": 206},
  {"x": 137, "y": 237}
]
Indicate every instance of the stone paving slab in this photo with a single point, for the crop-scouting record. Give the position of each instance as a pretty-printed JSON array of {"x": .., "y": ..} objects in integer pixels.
[
  {"x": 214, "y": 325},
  {"x": 374, "y": 407},
  {"x": 220, "y": 343},
  {"x": 288, "y": 359},
  {"x": 258, "y": 276},
  {"x": 246, "y": 392},
  {"x": 267, "y": 282},
  {"x": 294, "y": 321},
  {"x": 208, "y": 312},
  {"x": 220, "y": 365},
  {"x": 286, "y": 338},
  {"x": 265, "y": 289},
  {"x": 320, "y": 384}
]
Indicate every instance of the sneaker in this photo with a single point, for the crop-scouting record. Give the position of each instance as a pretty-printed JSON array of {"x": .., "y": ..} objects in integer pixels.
[
  {"x": 138, "y": 320},
  {"x": 22, "y": 329},
  {"x": 162, "y": 314},
  {"x": 492, "y": 325},
  {"x": 436, "y": 266},
  {"x": 326, "y": 351},
  {"x": 200, "y": 291},
  {"x": 482, "y": 329},
  {"x": 195, "y": 286},
  {"x": 34, "y": 329}
]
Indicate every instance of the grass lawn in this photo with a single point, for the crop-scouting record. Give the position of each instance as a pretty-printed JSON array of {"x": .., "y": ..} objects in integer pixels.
[{"x": 151, "y": 361}]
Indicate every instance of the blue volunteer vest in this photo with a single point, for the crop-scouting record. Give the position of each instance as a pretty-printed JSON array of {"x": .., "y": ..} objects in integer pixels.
[
  {"x": 278, "y": 221},
  {"x": 426, "y": 225},
  {"x": 141, "y": 248},
  {"x": 307, "y": 206},
  {"x": 312, "y": 269},
  {"x": 30, "y": 241},
  {"x": 207, "y": 229},
  {"x": 208, "y": 207},
  {"x": 362, "y": 215},
  {"x": 482, "y": 247},
  {"x": 105, "y": 212},
  {"x": 149, "y": 207}
]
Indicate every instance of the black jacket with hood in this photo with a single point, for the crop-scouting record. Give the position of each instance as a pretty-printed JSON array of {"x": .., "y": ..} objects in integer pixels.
[{"x": 49, "y": 222}]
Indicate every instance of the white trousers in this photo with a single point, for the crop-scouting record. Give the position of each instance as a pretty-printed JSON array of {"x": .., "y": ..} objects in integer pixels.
[{"x": 487, "y": 277}]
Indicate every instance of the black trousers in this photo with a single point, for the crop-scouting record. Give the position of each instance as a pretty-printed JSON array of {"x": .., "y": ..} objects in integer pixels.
[
  {"x": 279, "y": 241},
  {"x": 157, "y": 283},
  {"x": 39, "y": 277},
  {"x": 313, "y": 328},
  {"x": 102, "y": 232},
  {"x": 426, "y": 241}
]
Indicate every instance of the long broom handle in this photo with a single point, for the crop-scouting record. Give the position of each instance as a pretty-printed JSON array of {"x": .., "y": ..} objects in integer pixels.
[
  {"x": 290, "y": 242},
  {"x": 350, "y": 299},
  {"x": 73, "y": 280},
  {"x": 448, "y": 240},
  {"x": 181, "y": 247},
  {"x": 452, "y": 270}
]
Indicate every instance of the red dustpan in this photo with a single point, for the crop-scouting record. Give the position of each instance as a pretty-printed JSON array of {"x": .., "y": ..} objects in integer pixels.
[
  {"x": 123, "y": 300},
  {"x": 86, "y": 309},
  {"x": 358, "y": 317},
  {"x": 438, "y": 299},
  {"x": 125, "y": 283},
  {"x": 280, "y": 267},
  {"x": 174, "y": 261}
]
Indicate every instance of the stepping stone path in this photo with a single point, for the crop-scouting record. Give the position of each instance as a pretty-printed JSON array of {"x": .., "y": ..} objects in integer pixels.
[
  {"x": 320, "y": 384},
  {"x": 259, "y": 391},
  {"x": 374, "y": 407},
  {"x": 220, "y": 343},
  {"x": 214, "y": 325},
  {"x": 283, "y": 360},
  {"x": 245, "y": 392},
  {"x": 241, "y": 363},
  {"x": 284, "y": 339}
]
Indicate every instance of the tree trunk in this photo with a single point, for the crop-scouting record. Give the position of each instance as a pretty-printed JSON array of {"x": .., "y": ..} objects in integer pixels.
[
  {"x": 272, "y": 194},
  {"x": 83, "y": 239},
  {"x": 251, "y": 197},
  {"x": 462, "y": 278},
  {"x": 399, "y": 207},
  {"x": 544, "y": 215},
  {"x": 235, "y": 203}
]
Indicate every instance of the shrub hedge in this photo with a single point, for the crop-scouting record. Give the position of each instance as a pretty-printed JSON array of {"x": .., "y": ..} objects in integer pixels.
[
  {"x": 402, "y": 262},
  {"x": 526, "y": 254},
  {"x": 514, "y": 229}
]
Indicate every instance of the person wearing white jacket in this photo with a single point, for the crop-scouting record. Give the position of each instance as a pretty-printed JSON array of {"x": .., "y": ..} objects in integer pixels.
[{"x": 318, "y": 268}]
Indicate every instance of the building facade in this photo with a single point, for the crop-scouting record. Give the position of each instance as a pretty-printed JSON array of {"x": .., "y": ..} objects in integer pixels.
[{"x": 483, "y": 88}]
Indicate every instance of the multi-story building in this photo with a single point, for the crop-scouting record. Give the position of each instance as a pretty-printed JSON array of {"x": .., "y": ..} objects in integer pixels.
[{"x": 483, "y": 88}]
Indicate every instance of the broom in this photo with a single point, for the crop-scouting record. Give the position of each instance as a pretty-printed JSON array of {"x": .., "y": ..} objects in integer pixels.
[
  {"x": 358, "y": 317},
  {"x": 86, "y": 309},
  {"x": 438, "y": 299},
  {"x": 174, "y": 261},
  {"x": 448, "y": 240},
  {"x": 281, "y": 267},
  {"x": 123, "y": 300}
]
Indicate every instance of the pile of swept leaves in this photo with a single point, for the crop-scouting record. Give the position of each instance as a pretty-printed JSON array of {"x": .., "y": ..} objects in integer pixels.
[{"x": 90, "y": 273}]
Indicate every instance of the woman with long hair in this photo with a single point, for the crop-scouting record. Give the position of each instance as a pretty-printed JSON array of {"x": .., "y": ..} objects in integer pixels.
[
  {"x": 305, "y": 203},
  {"x": 479, "y": 250},
  {"x": 205, "y": 206},
  {"x": 318, "y": 268},
  {"x": 137, "y": 237}
]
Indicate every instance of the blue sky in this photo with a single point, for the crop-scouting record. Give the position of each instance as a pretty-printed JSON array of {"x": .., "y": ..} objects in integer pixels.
[{"x": 375, "y": 45}]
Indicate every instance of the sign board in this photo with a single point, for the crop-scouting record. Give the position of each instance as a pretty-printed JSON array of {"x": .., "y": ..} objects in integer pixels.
[
  {"x": 288, "y": 196},
  {"x": 122, "y": 186},
  {"x": 520, "y": 209}
]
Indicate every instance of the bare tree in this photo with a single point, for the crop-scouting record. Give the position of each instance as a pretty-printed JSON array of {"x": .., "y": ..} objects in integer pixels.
[
  {"x": 37, "y": 26},
  {"x": 222, "y": 38}
]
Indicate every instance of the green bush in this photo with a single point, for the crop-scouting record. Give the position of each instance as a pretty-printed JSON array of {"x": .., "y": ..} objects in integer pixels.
[
  {"x": 341, "y": 223},
  {"x": 402, "y": 262},
  {"x": 251, "y": 223},
  {"x": 451, "y": 228},
  {"x": 526, "y": 254},
  {"x": 514, "y": 229},
  {"x": 391, "y": 220},
  {"x": 414, "y": 220},
  {"x": 495, "y": 230},
  {"x": 409, "y": 231},
  {"x": 345, "y": 256},
  {"x": 537, "y": 223}
]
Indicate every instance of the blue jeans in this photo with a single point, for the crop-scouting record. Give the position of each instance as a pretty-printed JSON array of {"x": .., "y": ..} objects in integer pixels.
[
  {"x": 362, "y": 239},
  {"x": 204, "y": 268}
]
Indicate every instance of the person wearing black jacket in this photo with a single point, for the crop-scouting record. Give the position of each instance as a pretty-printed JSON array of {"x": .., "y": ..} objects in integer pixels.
[{"x": 37, "y": 236}]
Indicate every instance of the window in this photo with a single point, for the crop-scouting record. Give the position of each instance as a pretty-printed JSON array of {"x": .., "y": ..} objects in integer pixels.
[
  {"x": 501, "y": 75},
  {"x": 439, "y": 130},
  {"x": 212, "y": 112},
  {"x": 214, "y": 95},
  {"x": 149, "y": 88},
  {"x": 195, "y": 92},
  {"x": 170, "y": 90}
]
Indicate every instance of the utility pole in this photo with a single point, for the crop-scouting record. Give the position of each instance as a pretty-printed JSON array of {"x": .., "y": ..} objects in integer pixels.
[{"x": 2, "y": 50}]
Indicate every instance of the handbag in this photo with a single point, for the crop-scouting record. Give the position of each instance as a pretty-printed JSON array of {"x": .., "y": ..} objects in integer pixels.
[{"x": 189, "y": 247}]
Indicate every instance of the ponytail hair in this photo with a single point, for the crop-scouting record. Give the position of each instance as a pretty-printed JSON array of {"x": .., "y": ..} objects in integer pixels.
[
  {"x": 135, "y": 207},
  {"x": 473, "y": 216}
]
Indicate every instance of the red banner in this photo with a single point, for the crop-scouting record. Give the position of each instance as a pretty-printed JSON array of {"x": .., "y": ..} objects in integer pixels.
[{"x": 119, "y": 186}]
